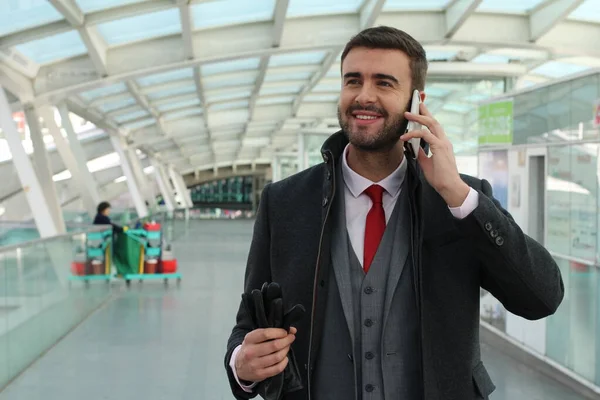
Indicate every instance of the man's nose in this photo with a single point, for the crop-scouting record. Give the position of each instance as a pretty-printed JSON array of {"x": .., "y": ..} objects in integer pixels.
[{"x": 367, "y": 95}]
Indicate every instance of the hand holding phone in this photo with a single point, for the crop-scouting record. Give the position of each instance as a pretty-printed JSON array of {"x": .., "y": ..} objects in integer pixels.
[{"x": 412, "y": 145}]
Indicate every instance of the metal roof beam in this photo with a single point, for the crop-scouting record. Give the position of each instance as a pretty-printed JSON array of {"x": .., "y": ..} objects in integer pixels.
[
  {"x": 141, "y": 99},
  {"x": 70, "y": 10},
  {"x": 17, "y": 84},
  {"x": 457, "y": 13},
  {"x": 91, "y": 115},
  {"x": 279, "y": 14},
  {"x": 281, "y": 7},
  {"x": 129, "y": 10},
  {"x": 122, "y": 111},
  {"x": 186, "y": 28},
  {"x": 175, "y": 98},
  {"x": 369, "y": 12},
  {"x": 38, "y": 32},
  {"x": 316, "y": 78},
  {"x": 203, "y": 104},
  {"x": 93, "y": 42},
  {"x": 549, "y": 14},
  {"x": 188, "y": 52}
]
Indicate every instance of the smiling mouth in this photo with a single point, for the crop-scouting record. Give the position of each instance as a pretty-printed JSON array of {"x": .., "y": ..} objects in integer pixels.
[{"x": 365, "y": 119}]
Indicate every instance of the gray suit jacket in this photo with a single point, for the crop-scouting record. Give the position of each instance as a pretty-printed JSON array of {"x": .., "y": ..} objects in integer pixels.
[{"x": 454, "y": 258}]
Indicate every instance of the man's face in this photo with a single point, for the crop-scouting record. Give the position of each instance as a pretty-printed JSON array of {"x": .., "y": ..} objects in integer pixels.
[
  {"x": 107, "y": 211},
  {"x": 376, "y": 91}
]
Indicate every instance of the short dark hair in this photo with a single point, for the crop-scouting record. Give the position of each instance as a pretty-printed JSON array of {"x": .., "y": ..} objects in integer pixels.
[
  {"x": 385, "y": 37},
  {"x": 103, "y": 206}
]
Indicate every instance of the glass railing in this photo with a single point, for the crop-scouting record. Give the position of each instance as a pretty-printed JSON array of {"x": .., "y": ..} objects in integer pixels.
[
  {"x": 174, "y": 224},
  {"x": 570, "y": 338},
  {"x": 13, "y": 232},
  {"x": 37, "y": 304},
  {"x": 76, "y": 217},
  {"x": 573, "y": 332}
]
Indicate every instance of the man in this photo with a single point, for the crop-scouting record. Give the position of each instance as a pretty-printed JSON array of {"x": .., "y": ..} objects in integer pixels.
[
  {"x": 102, "y": 217},
  {"x": 386, "y": 253}
]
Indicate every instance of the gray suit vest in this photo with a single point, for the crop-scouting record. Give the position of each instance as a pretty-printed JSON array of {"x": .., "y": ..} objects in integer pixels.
[{"x": 370, "y": 346}]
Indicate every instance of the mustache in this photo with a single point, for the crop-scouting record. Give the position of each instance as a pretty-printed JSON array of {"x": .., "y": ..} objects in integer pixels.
[{"x": 371, "y": 108}]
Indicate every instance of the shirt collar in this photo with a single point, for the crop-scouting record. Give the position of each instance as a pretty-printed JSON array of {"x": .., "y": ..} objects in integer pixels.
[{"x": 357, "y": 184}]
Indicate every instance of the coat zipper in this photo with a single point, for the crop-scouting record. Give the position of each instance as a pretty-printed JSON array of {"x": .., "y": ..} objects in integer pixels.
[{"x": 314, "y": 300}]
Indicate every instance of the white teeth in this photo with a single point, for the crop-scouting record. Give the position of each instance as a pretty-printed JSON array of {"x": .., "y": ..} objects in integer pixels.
[{"x": 365, "y": 117}]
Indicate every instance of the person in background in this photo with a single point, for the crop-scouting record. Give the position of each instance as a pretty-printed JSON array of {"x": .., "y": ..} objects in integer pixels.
[{"x": 102, "y": 217}]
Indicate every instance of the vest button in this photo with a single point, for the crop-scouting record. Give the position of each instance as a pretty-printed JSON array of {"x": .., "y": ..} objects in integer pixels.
[
  {"x": 368, "y": 290},
  {"x": 369, "y": 388},
  {"x": 368, "y": 322},
  {"x": 325, "y": 201},
  {"x": 369, "y": 355}
]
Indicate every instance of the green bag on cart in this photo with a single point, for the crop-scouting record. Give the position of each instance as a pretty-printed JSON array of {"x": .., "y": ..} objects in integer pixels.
[{"x": 126, "y": 254}]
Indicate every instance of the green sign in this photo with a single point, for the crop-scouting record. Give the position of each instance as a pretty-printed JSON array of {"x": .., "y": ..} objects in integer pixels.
[{"x": 496, "y": 123}]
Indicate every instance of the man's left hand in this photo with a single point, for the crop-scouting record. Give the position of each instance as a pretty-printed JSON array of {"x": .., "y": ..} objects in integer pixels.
[{"x": 440, "y": 169}]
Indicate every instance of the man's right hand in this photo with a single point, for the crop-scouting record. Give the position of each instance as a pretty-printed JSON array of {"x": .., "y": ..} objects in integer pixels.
[{"x": 264, "y": 354}]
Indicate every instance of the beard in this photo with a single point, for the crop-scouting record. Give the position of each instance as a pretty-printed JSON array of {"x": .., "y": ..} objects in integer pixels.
[{"x": 384, "y": 140}]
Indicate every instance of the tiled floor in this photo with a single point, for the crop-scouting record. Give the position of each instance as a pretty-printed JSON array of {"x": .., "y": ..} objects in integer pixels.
[{"x": 154, "y": 343}]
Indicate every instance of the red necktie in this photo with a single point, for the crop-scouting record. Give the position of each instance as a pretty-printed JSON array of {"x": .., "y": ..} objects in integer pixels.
[{"x": 375, "y": 225}]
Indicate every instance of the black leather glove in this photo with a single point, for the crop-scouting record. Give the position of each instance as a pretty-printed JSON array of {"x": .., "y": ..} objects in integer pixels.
[{"x": 266, "y": 308}]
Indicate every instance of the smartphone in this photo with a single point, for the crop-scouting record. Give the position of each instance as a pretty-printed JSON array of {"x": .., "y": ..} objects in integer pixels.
[{"x": 412, "y": 146}]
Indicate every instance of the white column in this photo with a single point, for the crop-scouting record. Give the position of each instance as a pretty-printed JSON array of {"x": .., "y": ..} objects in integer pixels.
[
  {"x": 276, "y": 169},
  {"x": 163, "y": 184},
  {"x": 43, "y": 168},
  {"x": 140, "y": 177},
  {"x": 169, "y": 188},
  {"x": 177, "y": 185},
  {"x": 301, "y": 151},
  {"x": 186, "y": 191},
  {"x": 151, "y": 192},
  {"x": 180, "y": 187},
  {"x": 87, "y": 178},
  {"x": 29, "y": 180},
  {"x": 69, "y": 160},
  {"x": 134, "y": 190}
]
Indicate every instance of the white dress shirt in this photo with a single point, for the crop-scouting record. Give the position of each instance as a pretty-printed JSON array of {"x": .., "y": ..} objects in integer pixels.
[{"x": 358, "y": 205}]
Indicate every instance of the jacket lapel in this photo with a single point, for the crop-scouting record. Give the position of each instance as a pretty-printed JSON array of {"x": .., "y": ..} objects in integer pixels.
[
  {"x": 340, "y": 256},
  {"x": 400, "y": 249}
]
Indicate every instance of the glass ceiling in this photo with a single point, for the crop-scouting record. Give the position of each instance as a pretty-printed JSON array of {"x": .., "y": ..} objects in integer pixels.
[
  {"x": 20, "y": 15},
  {"x": 164, "y": 77},
  {"x": 53, "y": 48},
  {"x": 228, "y": 12},
  {"x": 305, "y": 8},
  {"x": 508, "y": 6},
  {"x": 89, "y": 6},
  {"x": 588, "y": 11},
  {"x": 140, "y": 27},
  {"x": 285, "y": 94}
]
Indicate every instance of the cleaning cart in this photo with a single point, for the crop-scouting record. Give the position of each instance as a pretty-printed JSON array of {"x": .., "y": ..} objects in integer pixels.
[
  {"x": 142, "y": 254},
  {"x": 94, "y": 261}
]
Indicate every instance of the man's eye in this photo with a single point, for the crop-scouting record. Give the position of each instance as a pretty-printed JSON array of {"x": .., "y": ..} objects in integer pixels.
[
  {"x": 352, "y": 82},
  {"x": 384, "y": 83}
]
